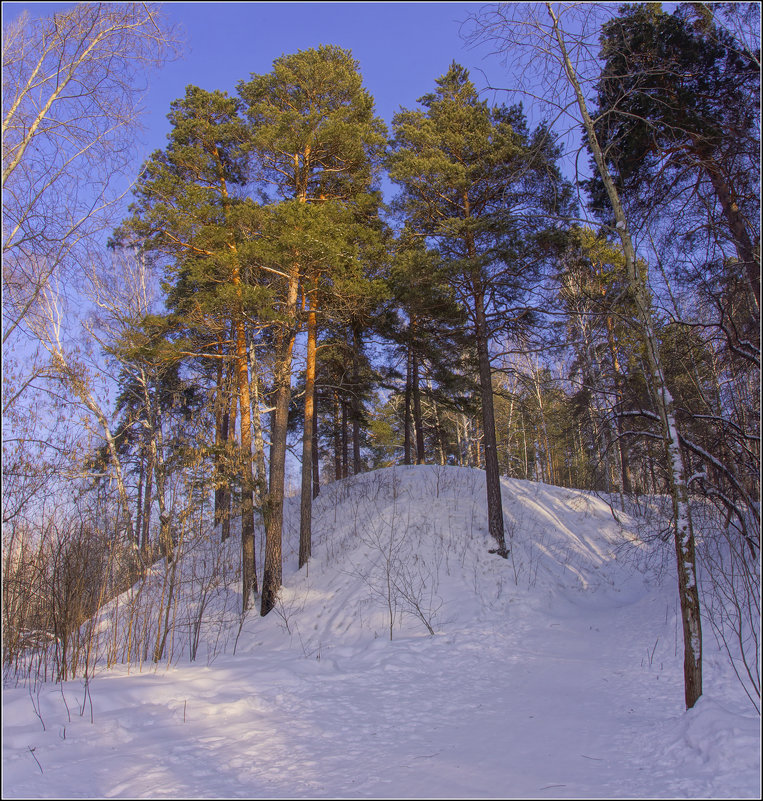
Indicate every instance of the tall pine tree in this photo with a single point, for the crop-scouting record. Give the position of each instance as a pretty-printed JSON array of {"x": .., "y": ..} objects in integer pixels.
[
  {"x": 192, "y": 216},
  {"x": 478, "y": 185},
  {"x": 318, "y": 143}
]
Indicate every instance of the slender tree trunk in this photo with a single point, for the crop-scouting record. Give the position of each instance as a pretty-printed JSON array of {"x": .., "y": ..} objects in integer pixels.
[
  {"x": 438, "y": 427},
  {"x": 345, "y": 442},
  {"x": 477, "y": 443},
  {"x": 316, "y": 455},
  {"x": 145, "y": 533},
  {"x": 356, "y": 464},
  {"x": 271, "y": 580},
  {"x": 139, "y": 505},
  {"x": 222, "y": 429},
  {"x": 337, "y": 437},
  {"x": 249, "y": 569},
  {"x": 261, "y": 479},
  {"x": 625, "y": 471},
  {"x": 157, "y": 458},
  {"x": 407, "y": 407},
  {"x": 548, "y": 466},
  {"x": 417, "y": 421},
  {"x": 306, "y": 500},
  {"x": 492, "y": 474},
  {"x": 683, "y": 530},
  {"x": 231, "y": 448},
  {"x": 218, "y": 407}
]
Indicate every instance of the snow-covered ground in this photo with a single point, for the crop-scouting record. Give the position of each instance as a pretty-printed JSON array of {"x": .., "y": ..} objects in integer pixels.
[{"x": 554, "y": 674}]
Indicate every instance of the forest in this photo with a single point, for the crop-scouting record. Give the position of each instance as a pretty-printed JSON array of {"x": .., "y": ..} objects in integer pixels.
[{"x": 292, "y": 293}]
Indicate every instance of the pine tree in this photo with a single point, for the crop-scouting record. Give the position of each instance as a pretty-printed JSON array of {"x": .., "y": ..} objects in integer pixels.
[
  {"x": 679, "y": 112},
  {"x": 317, "y": 141},
  {"x": 426, "y": 326},
  {"x": 192, "y": 217},
  {"x": 477, "y": 183}
]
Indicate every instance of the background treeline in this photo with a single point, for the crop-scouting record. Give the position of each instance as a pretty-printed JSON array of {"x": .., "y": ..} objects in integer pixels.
[{"x": 260, "y": 298}]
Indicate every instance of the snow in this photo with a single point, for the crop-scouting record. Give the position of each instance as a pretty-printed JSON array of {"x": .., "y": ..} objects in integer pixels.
[{"x": 556, "y": 673}]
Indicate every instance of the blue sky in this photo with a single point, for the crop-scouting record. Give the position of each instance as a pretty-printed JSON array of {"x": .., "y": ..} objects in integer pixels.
[{"x": 401, "y": 48}]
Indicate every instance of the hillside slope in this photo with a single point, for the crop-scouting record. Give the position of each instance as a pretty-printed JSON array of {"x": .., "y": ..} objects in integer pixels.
[{"x": 555, "y": 673}]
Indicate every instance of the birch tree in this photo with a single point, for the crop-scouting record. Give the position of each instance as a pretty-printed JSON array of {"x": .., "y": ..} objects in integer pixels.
[
  {"x": 71, "y": 106},
  {"x": 72, "y": 85}
]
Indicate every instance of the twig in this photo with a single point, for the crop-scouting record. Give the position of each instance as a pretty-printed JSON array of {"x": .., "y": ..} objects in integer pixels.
[{"x": 31, "y": 751}]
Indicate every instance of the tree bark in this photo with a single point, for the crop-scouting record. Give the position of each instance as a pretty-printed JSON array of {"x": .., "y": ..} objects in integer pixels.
[
  {"x": 492, "y": 473},
  {"x": 356, "y": 463},
  {"x": 222, "y": 423},
  {"x": 682, "y": 523},
  {"x": 249, "y": 569},
  {"x": 407, "y": 407},
  {"x": 261, "y": 477},
  {"x": 316, "y": 455},
  {"x": 306, "y": 500},
  {"x": 337, "y": 437},
  {"x": 345, "y": 454},
  {"x": 145, "y": 531},
  {"x": 271, "y": 580},
  {"x": 417, "y": 421}
]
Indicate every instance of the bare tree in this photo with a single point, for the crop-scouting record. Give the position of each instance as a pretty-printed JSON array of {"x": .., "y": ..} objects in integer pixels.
[
  {"x": 71, "y": 103},
  {"x": 71, "y": 106}
]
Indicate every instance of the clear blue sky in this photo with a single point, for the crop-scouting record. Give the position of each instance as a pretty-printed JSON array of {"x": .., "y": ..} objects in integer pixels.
[{"x": 401, "y": 47}]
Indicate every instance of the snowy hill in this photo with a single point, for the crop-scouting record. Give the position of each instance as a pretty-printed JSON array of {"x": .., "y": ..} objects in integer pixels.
[{"x": 409, "y": 662}]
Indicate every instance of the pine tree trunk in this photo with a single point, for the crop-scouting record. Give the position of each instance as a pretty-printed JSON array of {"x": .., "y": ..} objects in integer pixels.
[
  {"x": 407, "y": 407},
  {"x": 222, "y": 427},
  {"x": 316, "y": 455},
  {"x": 271, "y": 580},
  {"x": 231, "y": 448},
  {"x": 157, "y": 457},
  {"x": 417, "y": 421},
  {"x": 145, "y": 532},
  {"x": 139, "y": 505},
  {"x": 249, "y": 569},
  {"x": 306, "y": 500},
  {"x": 356, "y": 463},
  {"x": 345, "y": 442},
  {"x": 337, "y": 437},
  {"x": 261, "y": 478},
  {"x": 492, "y": 474}
]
